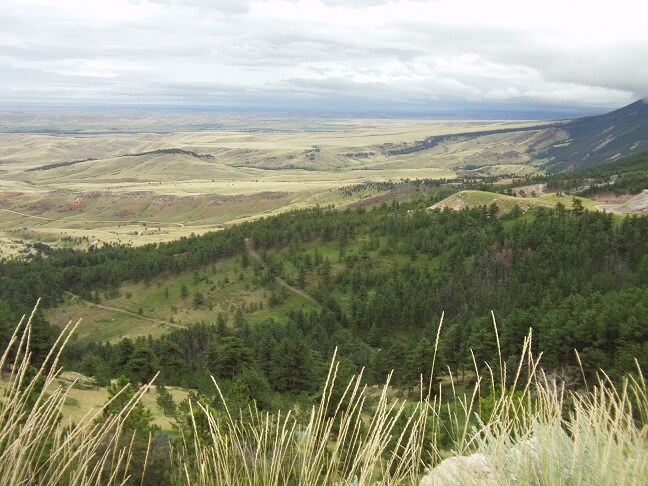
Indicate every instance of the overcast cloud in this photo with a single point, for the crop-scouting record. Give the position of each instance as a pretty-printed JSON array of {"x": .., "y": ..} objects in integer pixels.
[{"x": 325, "y": 54}]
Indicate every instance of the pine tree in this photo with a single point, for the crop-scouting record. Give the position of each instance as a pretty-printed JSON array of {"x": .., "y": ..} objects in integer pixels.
[
  {"x": 165, "y": 401},
  {"x": 140, "y": 418}
]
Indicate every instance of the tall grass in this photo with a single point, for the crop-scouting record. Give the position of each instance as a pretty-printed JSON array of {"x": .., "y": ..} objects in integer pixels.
[
  {"x": 540, "y": 433},
  {"x": 340, "y": 443},
  {"x": 535, "y": 431},
  {"x": 35, "y": 447}
]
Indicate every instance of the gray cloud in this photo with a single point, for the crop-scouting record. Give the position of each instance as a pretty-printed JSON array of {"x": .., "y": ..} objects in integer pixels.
[{"x": 323, "y": 53}]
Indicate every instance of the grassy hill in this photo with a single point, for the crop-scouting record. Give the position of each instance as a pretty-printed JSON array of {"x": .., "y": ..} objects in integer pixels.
[
  {"x": 130, "y": 168},
  {"x": 471, "y": 199},
  {"x": 159, "y": 305}
]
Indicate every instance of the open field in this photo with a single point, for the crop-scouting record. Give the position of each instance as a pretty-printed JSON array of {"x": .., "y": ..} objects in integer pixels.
[
  {"x": 84, "y": 401},
  {"x": 79, "y": 180}
]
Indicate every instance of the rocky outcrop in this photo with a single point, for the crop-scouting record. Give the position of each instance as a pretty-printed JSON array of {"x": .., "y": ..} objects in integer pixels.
[{"x": 473, "y": 469}]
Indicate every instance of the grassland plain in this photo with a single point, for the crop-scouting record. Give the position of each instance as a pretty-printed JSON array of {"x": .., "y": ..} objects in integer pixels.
[
  {"x": 129, "y": 181},
  {"x": 85, "y": 398}
]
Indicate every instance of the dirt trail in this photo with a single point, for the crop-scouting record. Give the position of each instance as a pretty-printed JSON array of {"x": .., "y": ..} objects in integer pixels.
[
  {"x": 26, "y": 215},
  {"x": 120, "y": 221},
  {"x": 249, "y": 244},
  {"x": 123, "y": 311},
  {"x": 637, "y": 204}
]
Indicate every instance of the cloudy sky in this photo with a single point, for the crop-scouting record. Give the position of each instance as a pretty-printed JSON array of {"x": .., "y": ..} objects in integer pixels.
[{"x": 325, "y": 54}]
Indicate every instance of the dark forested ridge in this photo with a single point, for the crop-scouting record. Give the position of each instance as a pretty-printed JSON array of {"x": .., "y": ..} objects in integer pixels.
[
  {"x": 382, "y": 278},
  {"x": 596, "y": 140},
  {"x": 593, "y": 140},
  {"x": 625, "y": 176}
]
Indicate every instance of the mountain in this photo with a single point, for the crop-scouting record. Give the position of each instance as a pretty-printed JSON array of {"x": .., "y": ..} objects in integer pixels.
[{"x": 595, "y": 140}]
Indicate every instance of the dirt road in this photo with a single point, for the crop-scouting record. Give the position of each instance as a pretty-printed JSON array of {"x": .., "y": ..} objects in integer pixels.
[
  {"x": 116, "y": 221},
  {"x": 124, "y": 311},
  {"x": 249, "y": 244}
]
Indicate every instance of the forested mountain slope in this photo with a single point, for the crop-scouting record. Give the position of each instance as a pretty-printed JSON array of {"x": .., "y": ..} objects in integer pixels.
[
  {"x": 598, "y": 139},
  {"x": 628, "y": 175},
  {"x": 382, "y": 278}
]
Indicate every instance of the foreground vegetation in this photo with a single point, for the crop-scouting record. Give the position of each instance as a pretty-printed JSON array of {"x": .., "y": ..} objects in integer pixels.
[
  {"x": 247, "y": 320},
  {"x": 534, "y": 431}
]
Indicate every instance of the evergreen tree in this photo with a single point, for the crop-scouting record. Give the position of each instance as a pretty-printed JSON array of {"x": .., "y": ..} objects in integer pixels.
[
  {"x": 228, "y": 357},
  {"x": 165, "y": 401},
  {"x": 139, "y": 419},
  {"x": 8, "y": 323},
  {"x": 141, "y": 364}
]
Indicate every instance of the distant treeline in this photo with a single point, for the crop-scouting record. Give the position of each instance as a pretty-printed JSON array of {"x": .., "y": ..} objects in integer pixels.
[
  {"x": 403, "y": 184},
  {"x": 56, "y": 165},
  {"x": 171, "y": 151}
]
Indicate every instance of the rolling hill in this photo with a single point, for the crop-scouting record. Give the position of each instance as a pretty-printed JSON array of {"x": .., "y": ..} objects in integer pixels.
[
  {"x": 471, "y": 199},
  {"x": 596, "y": 140}
]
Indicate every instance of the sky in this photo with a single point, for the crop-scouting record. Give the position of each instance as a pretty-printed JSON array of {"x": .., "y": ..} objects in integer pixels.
[{"x": 337, "y": 55}]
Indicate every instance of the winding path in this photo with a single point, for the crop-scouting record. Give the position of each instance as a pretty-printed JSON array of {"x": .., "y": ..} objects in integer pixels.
[
  {"x": 93, "y": 221},
  {"x": 123, "y": 311},
  {"x": 26, "y": 215},
  {"x": 249, "y": 244}
]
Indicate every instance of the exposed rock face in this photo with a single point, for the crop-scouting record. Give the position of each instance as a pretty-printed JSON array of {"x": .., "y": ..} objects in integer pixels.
[
  {"x": 481, "y": 469},
  {"x": 473, "y": 469}
]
